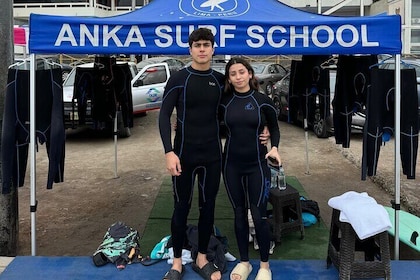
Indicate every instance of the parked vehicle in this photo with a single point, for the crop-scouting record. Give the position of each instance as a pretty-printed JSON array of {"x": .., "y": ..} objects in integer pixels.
[
  {"x": 268, "y": 74},
  {"x": 218, "y": 66},
  {"x": 174, "y": 64},
  {"x": 147, "y": 86}
]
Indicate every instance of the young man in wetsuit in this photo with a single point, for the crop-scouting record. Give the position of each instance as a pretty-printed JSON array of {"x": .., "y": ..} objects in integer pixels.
[{"x": 195, "y": 92}]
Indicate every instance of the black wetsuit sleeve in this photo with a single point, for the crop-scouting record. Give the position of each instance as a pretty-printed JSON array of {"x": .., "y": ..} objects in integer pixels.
[
  {"x": 170, "y": 98},
  {"x": 270, "y": 115}
]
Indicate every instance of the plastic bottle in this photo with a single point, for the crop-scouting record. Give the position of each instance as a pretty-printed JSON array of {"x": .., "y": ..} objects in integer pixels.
[{"x": 281, "y": 179}]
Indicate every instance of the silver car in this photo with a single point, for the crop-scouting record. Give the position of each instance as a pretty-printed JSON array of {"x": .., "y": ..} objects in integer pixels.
[{"x": 268, "y": 74}]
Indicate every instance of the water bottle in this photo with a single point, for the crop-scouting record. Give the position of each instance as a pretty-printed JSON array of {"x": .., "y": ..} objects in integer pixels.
[{"x": 281, "y": 179}]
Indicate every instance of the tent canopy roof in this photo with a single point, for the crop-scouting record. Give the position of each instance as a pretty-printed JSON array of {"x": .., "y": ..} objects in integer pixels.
[{"x": 252, "y": 27}]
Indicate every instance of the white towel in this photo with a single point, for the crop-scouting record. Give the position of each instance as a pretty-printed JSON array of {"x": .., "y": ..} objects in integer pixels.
[
  {"x": 366, "y": 216},
  {"x": 185, "y": 257}
]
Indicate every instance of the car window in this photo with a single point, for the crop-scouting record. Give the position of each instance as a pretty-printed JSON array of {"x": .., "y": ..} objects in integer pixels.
[
  {"x": 179, "y": 64},
  {"x": 272, "y": 69},
  {"x": 133, "y": 70},
  {"x": 153, "y": 75},
  {"x": 280, "y": 70},
  {"x": 69, "y": 81},
  {"x": 258, "y": 69},
  {"x": 285, "y": 84}
]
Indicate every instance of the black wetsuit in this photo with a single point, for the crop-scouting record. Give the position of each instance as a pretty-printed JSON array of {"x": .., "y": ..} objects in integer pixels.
[
  {"x": 380, "y": 119},
  {"x": 49, "y": 125},
  {"x": 352, "y": 82},
  {"x": 196, "y": 97},
  {"x": 245, "y": 170}
]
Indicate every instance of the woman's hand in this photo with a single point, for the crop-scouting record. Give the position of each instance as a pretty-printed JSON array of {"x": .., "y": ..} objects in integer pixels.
[
  {"x": 273, "y": 153},
  {"x": 265, "y": 136}
]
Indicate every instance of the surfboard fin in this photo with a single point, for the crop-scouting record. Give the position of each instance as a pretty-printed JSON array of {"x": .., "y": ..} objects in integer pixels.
[{"x": 414, "y": 237}]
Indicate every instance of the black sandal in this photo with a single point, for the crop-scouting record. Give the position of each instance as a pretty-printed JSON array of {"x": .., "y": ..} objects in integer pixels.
[
  {"x": 174, "y": 274},
  {"x": 206, "y": 271}
]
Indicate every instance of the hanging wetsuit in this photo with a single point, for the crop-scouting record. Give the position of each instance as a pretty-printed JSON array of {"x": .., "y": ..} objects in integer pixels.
[
  {"x": 106, "y": 90},
  {"x": 16, "y": 122},
  {"x": 196, "y": 97},
  {"x": 123, "y": 92},
  {"x": 380, "y": 120},
  {"x": 245, "y": 171},
  {"x": 83, "y": 91},
  {"x": 104, "y": 103},
  {"x": 296, "y": 90},
  {"x": 351, "y": 86},
  {"x": 317, "y": 87}
]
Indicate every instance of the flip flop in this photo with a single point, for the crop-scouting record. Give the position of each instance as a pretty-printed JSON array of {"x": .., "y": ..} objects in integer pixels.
[
  {"x": 242, "y": 270},
  {"x": 264, "y": 274},
  {"x": 206, "y": 271},
  {"x": 174, "y": 274}
]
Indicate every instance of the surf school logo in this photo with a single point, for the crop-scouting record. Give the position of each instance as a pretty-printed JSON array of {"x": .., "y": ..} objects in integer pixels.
[
  {"x": 249, "y": 107},
  {"x": 214, "y": 8}
]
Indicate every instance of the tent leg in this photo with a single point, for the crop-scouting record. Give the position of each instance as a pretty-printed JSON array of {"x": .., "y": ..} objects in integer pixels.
[
  {"x": 115, "y": 144},
  {"x": 305, "y": 124},
  {"x": 32, "y": 121},
  {"x": 397, "y": 162}
]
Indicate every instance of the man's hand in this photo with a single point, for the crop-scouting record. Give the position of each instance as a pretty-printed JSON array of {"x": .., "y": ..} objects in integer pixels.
[
  {"x": 173, "y": 165},
  {"x": 265, "y": 136}
]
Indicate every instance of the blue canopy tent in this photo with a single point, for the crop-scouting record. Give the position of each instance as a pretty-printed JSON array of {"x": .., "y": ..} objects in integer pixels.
[{"x": 241, "y": 27}]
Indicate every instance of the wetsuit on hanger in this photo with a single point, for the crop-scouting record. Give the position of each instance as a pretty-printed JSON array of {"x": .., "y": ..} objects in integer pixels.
[
  {"x": 351, "y": 86},
  {"x": 316, "y": 83},
  {"x": 245, "y": 171},
  {"x": 49, "y": 125},
  {"x": 380, "y": 119},
  {"x": 196, "y": 97},
  {"x": 104, "y": 102},
  {"x": 83, "y": 91},
  {"x": 123, "y": 92}
]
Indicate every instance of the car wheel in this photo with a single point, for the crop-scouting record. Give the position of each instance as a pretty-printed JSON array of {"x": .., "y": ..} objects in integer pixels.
[
  {"x": 320, "y": 125},
  {"x": 123, "y": 132},
  {"x": 269, "y": 89},
  {"x": 277, "y": 105},
  {"x": 64, "y": 75}
]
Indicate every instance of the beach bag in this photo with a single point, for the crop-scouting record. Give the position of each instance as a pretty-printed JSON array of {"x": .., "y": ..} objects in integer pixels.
[{"x": 120, "y": 246}]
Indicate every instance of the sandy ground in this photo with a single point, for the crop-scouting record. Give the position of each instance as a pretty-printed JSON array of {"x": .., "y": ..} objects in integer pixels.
[{"x": 72, "y": 218}]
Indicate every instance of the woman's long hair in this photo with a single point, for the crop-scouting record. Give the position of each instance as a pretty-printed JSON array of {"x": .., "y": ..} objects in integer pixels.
[{"x": 253, "y": 82}]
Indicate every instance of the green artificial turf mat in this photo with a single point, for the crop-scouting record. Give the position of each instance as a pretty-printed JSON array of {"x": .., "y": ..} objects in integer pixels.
[{"x": 313, "y": 246}]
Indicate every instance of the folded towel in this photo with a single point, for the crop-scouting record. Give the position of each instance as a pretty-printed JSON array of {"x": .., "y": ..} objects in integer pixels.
[{"x": 366, "y": 216}]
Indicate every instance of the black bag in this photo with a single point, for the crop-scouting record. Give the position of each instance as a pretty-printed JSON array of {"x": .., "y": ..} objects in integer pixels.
[
  {"x": 310, "y": 206},
  {"x": 215, "y": 251}
]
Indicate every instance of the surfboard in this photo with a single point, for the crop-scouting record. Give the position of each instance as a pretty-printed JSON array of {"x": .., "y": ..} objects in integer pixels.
[{"x": 409, "y": 227}]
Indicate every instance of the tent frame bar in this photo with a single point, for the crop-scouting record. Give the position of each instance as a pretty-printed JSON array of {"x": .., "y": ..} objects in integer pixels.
[{"x": 32, "y": 150}]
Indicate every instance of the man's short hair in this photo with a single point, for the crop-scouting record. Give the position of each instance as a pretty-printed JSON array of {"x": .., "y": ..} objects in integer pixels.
[{"x": 201, "y": 34}]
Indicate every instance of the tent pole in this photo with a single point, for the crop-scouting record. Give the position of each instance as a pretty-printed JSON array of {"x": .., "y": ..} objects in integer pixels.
[
  {"x": 115, "y": 144},
  {"x": 32, "y": 127},
  {"x": 305, "y": 126},
  {"x": 397, "y": 152}
]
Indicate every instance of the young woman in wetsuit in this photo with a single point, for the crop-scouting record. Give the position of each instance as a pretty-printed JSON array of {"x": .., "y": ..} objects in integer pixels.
[{"x": 246, "y": 174}]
